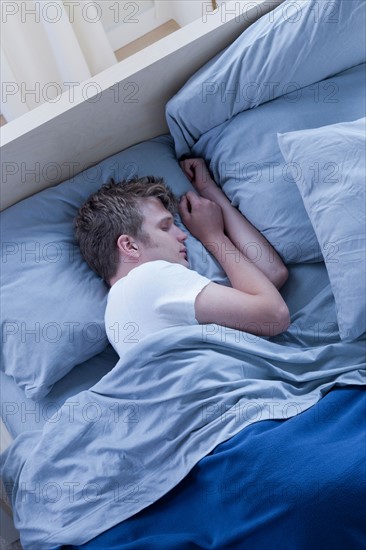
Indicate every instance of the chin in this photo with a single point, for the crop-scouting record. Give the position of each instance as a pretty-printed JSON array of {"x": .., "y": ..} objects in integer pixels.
[{"x": 183, "y": 261}]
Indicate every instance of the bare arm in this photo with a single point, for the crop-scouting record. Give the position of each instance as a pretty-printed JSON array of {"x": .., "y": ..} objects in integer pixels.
[
  {"x": 239, "y": 230},
  {"x": 253, "y": 304}
]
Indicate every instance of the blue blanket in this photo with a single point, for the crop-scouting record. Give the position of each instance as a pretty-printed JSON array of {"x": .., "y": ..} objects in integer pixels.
[
  {"x": 120, "y": 446},
  {"x": 267, "y": 487}
]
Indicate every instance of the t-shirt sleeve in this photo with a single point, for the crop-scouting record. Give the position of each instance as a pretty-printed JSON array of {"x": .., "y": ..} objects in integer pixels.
[{"x": 169, "y": 292}]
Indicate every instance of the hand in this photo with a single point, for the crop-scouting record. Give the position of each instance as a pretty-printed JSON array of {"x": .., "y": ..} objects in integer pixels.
[
  {"x": 199, "y": 176},
  {"x": 202, "y": 217}
]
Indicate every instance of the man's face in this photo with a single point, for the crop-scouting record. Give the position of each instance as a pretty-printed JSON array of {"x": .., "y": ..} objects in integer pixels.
[{"x": 166, "y": 239}]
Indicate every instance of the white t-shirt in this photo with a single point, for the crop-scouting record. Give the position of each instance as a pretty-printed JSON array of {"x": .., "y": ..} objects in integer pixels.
[{"x": 153, "y": 296}]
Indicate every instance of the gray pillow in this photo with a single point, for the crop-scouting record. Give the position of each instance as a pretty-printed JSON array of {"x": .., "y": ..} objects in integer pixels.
[
  {"x": 330, "y": 174},
  {"x": 246, "y": 161},
  {"x": 295, "y": 45}
]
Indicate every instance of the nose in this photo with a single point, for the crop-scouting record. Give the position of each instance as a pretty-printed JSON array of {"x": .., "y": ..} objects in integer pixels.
[{"x": 181, "y": 235}]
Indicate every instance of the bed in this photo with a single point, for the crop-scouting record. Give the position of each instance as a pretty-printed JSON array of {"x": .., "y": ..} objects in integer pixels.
[{"x": 202, "y": 437}]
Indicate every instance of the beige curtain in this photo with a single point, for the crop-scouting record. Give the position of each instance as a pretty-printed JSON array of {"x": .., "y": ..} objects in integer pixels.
[{"x": 47, "y": 48}]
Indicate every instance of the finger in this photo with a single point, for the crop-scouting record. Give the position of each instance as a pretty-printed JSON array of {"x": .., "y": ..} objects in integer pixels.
[
  {"x": 183, "y": 207},
  {"x": 193, "y": 198},
  {"x": 198, "y": 200},
  {"x": 186, "y": 169}
]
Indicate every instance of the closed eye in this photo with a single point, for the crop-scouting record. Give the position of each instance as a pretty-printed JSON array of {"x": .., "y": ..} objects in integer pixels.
[
  {"x": 166, "y": 226},
  {"x": 166, "y": 223}
]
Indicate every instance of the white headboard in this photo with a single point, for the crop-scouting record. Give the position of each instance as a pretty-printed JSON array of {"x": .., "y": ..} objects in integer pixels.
[{"x": 116, "y": 109}]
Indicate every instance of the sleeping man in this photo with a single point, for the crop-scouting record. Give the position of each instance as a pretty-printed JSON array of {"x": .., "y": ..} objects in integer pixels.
[{"x": 127, "y": 235}]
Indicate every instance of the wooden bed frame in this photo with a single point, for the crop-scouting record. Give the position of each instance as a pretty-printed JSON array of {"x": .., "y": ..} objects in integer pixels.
[{"x": 118, "y": 108}]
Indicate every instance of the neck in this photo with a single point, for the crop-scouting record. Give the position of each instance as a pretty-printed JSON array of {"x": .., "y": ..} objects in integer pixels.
[{"x": 123, "y": 270}]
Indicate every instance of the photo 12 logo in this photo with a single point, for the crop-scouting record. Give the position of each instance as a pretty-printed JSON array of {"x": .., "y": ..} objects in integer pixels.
[
  {"x": 72, "y": 92},
  {"x": 55, "y": 11},
  {"x": 290, "y": 12}
]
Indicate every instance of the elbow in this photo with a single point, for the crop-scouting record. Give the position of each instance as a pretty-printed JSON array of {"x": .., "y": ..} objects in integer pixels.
[
  {"x": 277, "y": 319},
  {"x": 280, "y": 277},
  {"x": 282, "y": 319}
]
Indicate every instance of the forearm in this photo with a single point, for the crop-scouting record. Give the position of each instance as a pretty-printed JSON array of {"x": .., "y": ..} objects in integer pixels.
[
  {"x": 243, "y": 274},
  {"x": 250, "y": 241},
  {"x": 253, "y": 298}
]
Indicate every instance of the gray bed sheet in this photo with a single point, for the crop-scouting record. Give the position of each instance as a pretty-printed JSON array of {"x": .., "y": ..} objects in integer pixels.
[
  {"x": 166, "y": 405},
  {"x": 313, "y": 323}
]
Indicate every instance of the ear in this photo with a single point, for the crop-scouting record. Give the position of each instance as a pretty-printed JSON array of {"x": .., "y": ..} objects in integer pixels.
[{"x": 127, "y": 246}]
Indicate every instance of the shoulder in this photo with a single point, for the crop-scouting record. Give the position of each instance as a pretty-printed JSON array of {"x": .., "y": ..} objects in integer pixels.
[
  {"x": 159, "y": 268},
  {"x": 157, "y": 276},
  {"x": 141, "y": 272},
  {"x": 153, "y": 271}
]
